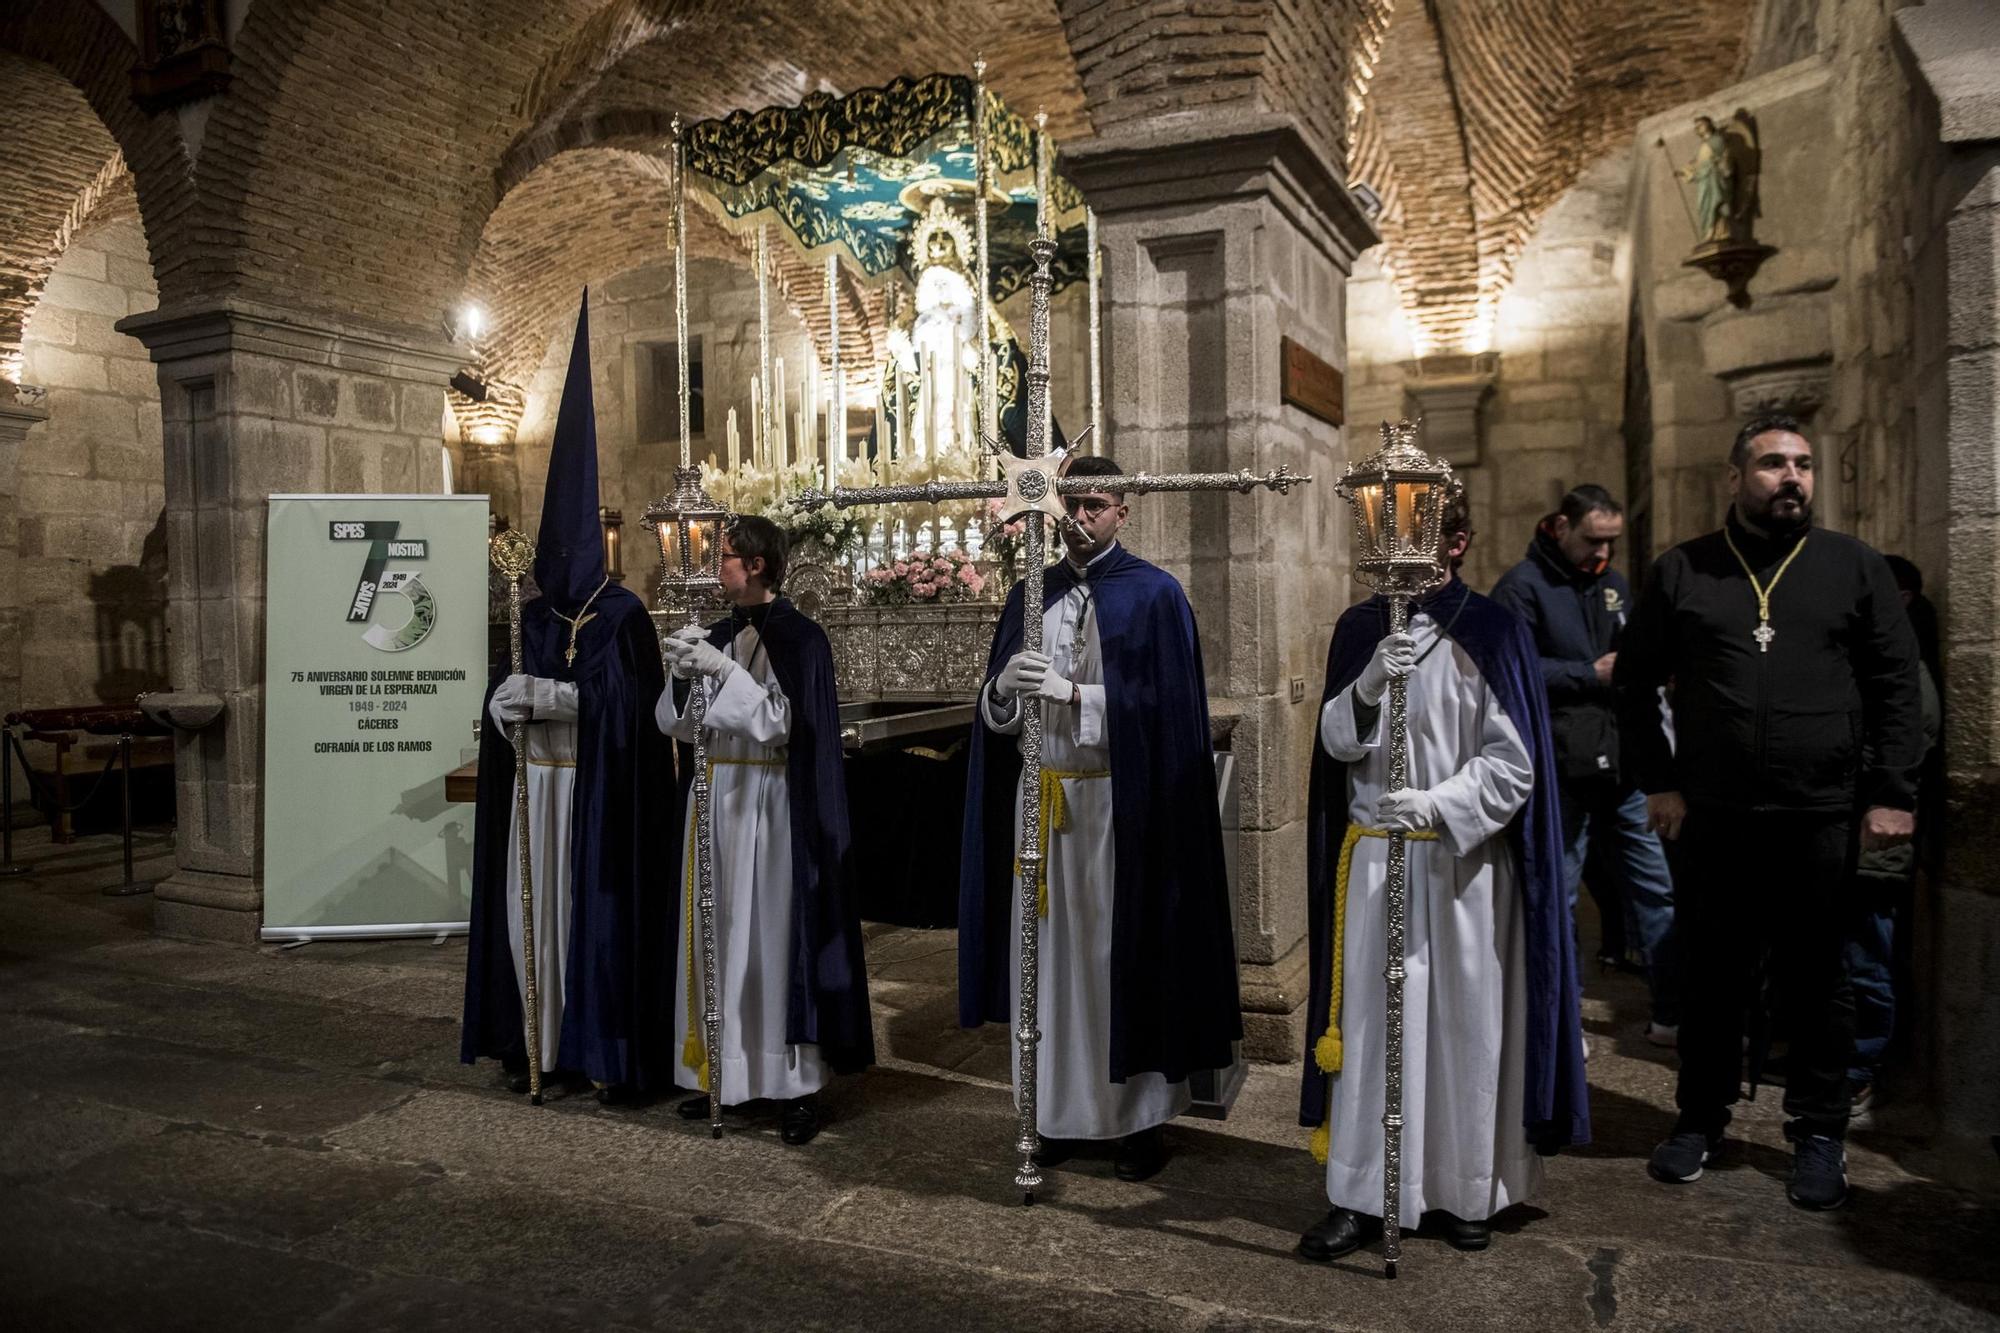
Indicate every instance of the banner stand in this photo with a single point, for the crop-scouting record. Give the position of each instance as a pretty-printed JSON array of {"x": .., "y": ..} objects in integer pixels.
[{"x": 374, "y": 673}]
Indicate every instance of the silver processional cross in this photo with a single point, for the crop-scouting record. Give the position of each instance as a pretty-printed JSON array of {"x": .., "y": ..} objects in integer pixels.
[{"x": 1033, "y": 489}]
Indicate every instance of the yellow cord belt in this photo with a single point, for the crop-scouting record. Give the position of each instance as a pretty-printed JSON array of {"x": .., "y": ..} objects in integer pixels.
[
  {"x": 1052, "y": 813},
  {"x": 1327, "y": 1051},
  {"x": 694, "y": 1051}
]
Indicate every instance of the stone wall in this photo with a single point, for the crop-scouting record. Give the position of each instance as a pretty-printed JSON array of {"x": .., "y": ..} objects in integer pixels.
[
  {"x": 92, "y": 565},
  {"x": 1552, "y": 418},
  {"x": 1828, "y": 332},
  {"x": 1956, "y": 49}
]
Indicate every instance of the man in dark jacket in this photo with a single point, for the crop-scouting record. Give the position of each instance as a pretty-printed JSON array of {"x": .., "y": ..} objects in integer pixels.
[
  {"x": 1575, "y": 605},
  {"x": 1795, "y": 696}
]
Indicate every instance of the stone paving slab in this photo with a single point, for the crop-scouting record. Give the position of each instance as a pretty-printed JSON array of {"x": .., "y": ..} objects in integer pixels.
[{"x": 214, "y": 1138}]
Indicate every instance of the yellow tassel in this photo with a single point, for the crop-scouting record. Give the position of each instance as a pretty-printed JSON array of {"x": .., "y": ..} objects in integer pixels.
[
  {"x": 1053, "y": 814},
  {"x": 1327, "y": 1053}
]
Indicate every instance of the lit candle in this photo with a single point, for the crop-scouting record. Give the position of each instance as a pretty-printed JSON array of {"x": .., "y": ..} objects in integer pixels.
[
  {"x": 758, "y": 445},
  {"x": 930, "y": 396},
  {"x": 733, "y": 457},
  {"x": 778, "y": 456}
]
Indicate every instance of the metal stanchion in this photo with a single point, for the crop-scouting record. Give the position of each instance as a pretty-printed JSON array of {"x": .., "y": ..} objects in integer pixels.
[
  {"x": 127, "y": 888},
  {"x": 8, "y": 747}
]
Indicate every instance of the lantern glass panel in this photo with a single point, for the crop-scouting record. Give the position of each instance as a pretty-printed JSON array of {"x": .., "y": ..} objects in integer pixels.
[
  {"x": 1368, "y": 510},
  {"x": 1413, "y": 504}
]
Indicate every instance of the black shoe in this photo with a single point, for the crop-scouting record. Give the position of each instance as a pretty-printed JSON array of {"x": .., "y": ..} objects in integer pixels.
[
  {"x": 1679, "y": 1159},
  {"x": 801, "y": 1119},
  {"x": 614, "y": 1094},
  {"x": 1819, "y": 1172},
  {"x": 1141, "y": 1155},
  {"x": 515, "y": 1074},
  {"x": 1339, "y": 1232},
  {"x": 1054, "y": 1152},
  {"x": 694, "y": 1108},
  {"x": 1461, "y": 1234}
]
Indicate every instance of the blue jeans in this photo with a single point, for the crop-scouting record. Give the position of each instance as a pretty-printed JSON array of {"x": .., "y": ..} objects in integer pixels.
[
  {"x": 1871, "y": 972},
  {"x": 1634, "y": 857}
]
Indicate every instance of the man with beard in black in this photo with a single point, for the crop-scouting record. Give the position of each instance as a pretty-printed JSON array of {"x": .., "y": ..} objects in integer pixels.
[{"x": 1797, "y": 741}]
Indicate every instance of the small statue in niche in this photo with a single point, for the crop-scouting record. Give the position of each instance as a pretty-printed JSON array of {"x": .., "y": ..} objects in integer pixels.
[{"x": 1724, "y": 171}]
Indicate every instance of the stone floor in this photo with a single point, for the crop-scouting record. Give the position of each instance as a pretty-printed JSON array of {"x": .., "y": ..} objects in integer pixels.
[{"x": 201, "y": 1137}]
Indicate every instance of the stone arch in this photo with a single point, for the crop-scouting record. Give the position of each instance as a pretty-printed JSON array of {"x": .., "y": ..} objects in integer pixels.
[
  {"x": 351, "y": 165},
  {"x": 1479, "y": 115},
  {"x": 81, "y": 45}
]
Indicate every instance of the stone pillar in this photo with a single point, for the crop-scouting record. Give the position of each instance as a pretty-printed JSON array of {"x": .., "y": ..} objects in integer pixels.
[
  {"x": 1957, "y": 48},
  {"x": 20, "y": 411},
  {"x": 260, "y": 400},
  {"x": 1223, "y": 234}
]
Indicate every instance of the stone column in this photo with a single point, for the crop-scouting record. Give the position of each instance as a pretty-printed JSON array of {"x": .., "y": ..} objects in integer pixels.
[
  {"x": 20, "y": 412},
  {"x": 1957, "y": 48},
  {"x": 260, "y": 400},
  {"x": 1222, "y": 235}
]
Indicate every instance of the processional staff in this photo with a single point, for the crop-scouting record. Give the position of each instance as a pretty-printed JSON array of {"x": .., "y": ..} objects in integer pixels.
[
  {"x": 1398, "y": 497},
  {"x": 689, "y": 526},
  {"x": 513, "y": 554},
  {"x": 1033, "y": 488}
]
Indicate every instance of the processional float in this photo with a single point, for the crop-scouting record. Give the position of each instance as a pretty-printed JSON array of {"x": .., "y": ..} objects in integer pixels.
[
  {"x": 1398, "y": 496},
  {"x": 927, "y": 190},
  {"x": 1032, "y": 489}
]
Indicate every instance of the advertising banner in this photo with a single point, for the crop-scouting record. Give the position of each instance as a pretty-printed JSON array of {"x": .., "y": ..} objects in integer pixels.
[{"x": 374, "y": 671}]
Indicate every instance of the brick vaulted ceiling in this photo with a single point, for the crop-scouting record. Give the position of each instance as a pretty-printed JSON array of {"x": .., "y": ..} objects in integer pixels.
[
  {"x": 1481, "y": 113},
  {"x": 366, "y": 157}
]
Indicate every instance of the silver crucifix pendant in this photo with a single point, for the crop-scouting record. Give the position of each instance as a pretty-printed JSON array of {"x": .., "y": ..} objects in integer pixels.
[{"x": 1763, "y": 635}]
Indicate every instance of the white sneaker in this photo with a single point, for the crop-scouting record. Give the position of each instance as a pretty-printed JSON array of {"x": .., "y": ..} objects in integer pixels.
[{"x": 1663, "y": 1034}]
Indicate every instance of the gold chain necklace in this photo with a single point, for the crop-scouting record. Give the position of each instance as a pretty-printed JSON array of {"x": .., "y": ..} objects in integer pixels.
[
  {"x": 578, "y": 621},
  {"x": 1763, "y": 633}
]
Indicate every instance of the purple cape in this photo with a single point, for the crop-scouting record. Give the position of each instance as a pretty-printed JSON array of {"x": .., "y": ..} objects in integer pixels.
[
  {"x": 1174, "y": 1006},
  {"x": 618, "y": 1022},
  {"x": 828, "y": 1004},
  {"x": 1557, "y": 1110},
  {"x": 618, "y": 997}
]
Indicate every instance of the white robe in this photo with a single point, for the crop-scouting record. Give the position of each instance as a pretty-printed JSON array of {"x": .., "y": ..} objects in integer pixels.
[
  {"x": 748, "y": 722},
  {"x": 1465, "y": 996},
  {"x": 1075, "y": 1097},
  {"x": 551, "y": 805}
]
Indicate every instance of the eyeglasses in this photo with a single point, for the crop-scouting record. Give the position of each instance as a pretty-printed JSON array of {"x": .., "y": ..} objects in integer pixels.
[{"x": 1089, "y": 506}]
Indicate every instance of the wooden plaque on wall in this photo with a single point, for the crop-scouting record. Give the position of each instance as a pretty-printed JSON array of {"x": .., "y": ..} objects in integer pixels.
[{"x": 1311, "y": 384}]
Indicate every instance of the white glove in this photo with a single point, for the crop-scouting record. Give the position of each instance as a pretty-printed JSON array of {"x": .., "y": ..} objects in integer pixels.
[
  {"x": 1055, "y": 689},
  {"x": 703, "y": 658},
  {"x": 1407, "y": 810},
  {"x": 1022, "y": 675},
  {"x": 1395, "y": 657},
  {"x": 676, "y": 649},
  {"x": 513, "y": 700},
  {"x": 552, "y": 700}
]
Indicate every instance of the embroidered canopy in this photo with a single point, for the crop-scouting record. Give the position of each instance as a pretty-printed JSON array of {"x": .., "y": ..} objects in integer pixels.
[{"x": 858, "y": 172}]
